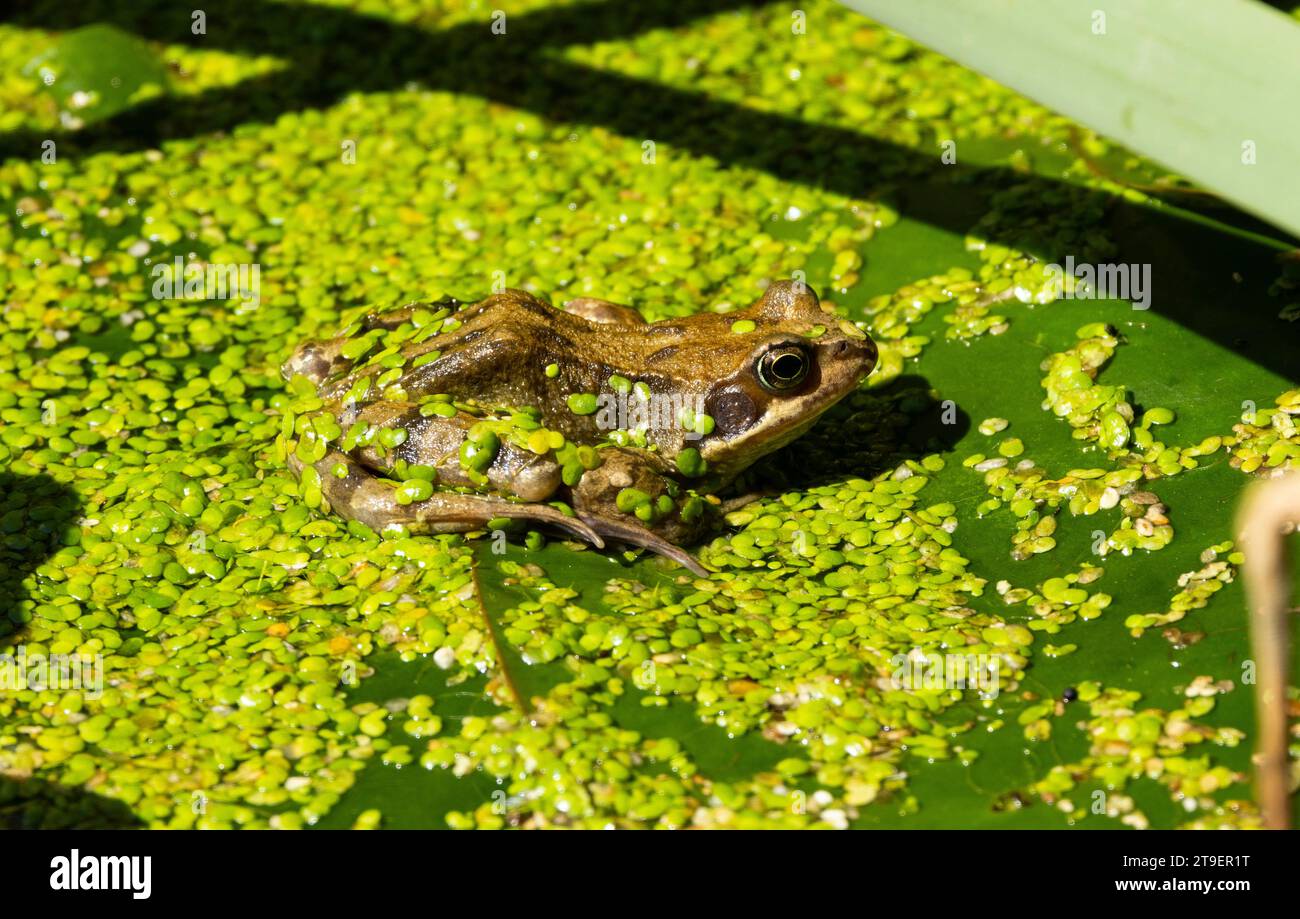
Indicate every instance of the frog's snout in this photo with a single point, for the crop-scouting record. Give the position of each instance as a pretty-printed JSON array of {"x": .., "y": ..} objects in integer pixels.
[{"x": 858, "y": 352}]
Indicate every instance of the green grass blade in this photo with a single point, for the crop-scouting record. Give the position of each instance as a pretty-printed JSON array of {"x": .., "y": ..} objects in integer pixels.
[{"x": 1209, "y": 89}]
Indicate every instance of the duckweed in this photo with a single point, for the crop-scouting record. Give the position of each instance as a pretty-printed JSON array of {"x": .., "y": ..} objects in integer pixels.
[
  {"x": 1128, "y": 744},
  {"x": 582, "y": 403},
  {"x": 157, "y": 527},
  {"x": 1220, "y": 564},
  {"x": 690, "y": 463},
  {"x": 1267, "y": 441}
]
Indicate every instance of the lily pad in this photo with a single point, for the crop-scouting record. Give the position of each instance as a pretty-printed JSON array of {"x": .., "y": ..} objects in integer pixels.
[{"x": 96, "y": 72}]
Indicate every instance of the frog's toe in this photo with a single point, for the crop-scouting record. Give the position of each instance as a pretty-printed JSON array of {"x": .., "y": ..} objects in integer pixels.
[
  {"x": 539, "y": 513},
  {"x": 632, "y": 534}
]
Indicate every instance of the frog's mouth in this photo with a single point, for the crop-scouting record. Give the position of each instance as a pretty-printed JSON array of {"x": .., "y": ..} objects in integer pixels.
[
  {"x": 787, "y": 436},
  {"x": 762, "y": 441}
]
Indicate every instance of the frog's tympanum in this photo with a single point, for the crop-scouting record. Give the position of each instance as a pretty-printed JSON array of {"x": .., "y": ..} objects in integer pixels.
[{"x": 443, "y": 416}]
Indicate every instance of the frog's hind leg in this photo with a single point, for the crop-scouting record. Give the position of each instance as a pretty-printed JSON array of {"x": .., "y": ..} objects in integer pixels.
[
  {"x": 436, "y": 441},
  {"x": 360, "y": 495},
  {"x": 633, "y": 535},
  {"x": 603, "y": 311}
]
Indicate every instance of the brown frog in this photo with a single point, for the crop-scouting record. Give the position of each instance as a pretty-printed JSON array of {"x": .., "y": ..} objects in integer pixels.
[{"x": 630, "y": 427}]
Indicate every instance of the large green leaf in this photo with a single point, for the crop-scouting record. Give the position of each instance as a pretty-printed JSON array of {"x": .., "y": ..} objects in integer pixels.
[
  {"x": 411, "y": 797},
  {"x": 1179, "y": 354}
]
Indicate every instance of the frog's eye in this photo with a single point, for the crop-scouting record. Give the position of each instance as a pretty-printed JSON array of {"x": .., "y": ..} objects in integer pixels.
[{"x": 782, "y": 368}]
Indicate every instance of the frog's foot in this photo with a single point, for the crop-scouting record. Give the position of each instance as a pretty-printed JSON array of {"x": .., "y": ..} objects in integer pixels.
[
  {"x": 360, "y": 495},
  {"x": 634, "y": 535},
  {"x": 594, "y": 310}
]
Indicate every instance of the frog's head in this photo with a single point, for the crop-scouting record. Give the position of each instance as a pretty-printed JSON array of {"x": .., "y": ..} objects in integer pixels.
[{"x": 775, "y": 379}]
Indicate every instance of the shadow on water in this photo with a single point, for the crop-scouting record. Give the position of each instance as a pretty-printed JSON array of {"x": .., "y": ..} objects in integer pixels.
[
  {"x": 35, "y": 804},
  {"x": 330, "y": 53},
  {"x": 868, "y": 433},
  {"x": 38, "y": 517}
]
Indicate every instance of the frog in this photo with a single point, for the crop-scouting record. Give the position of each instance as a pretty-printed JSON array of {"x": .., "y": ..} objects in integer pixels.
[{"x": 586, "y": 417}]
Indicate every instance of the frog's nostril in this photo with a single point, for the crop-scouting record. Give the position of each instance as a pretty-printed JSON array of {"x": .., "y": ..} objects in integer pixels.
[
  {"x": 865, "y": 352},
  {"x": 845, "y": 348}
]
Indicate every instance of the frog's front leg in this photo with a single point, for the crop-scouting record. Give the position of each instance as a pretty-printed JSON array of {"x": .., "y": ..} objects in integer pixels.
[{"x": 359, "y": 494}]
